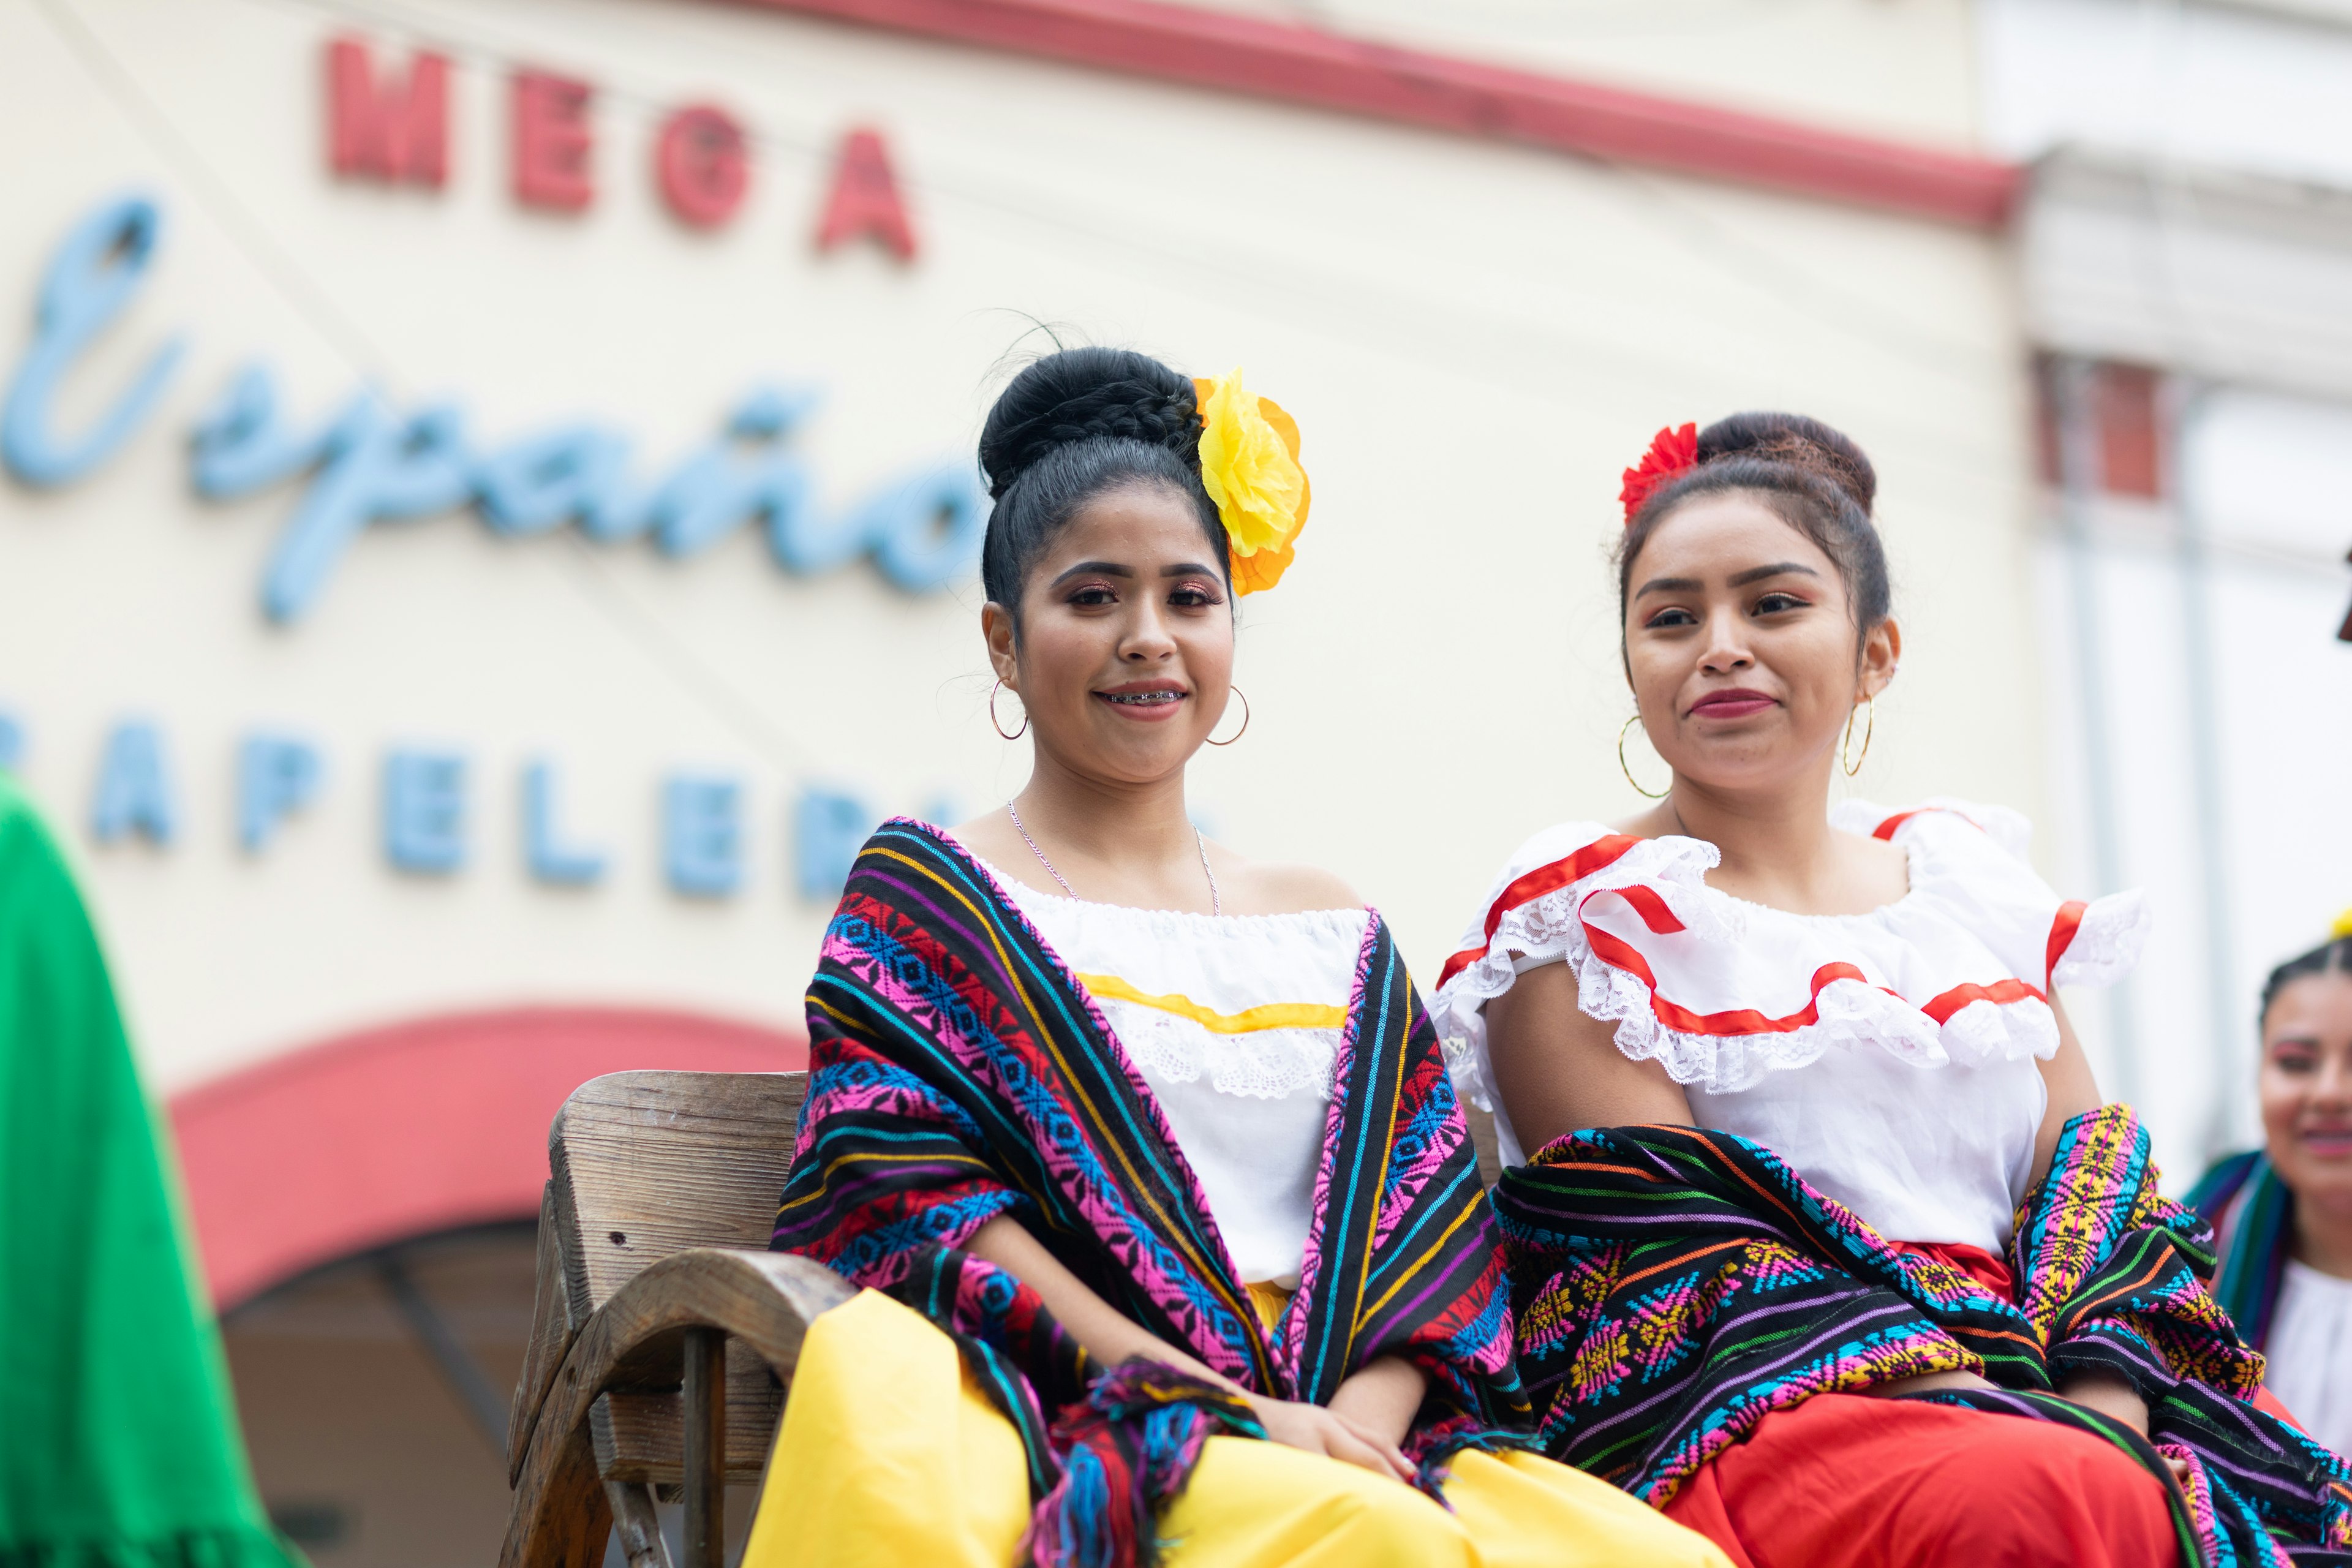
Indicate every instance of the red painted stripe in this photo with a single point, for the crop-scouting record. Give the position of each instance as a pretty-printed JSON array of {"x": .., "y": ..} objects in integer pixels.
[
  {"x": 1307, "y": 66},
  {"x": 413, "y": 1128},
  {"x": 1942, "y": 1007},
  {"x": 1548, "y": 878},
  {"x": 2062, "y": 937}
]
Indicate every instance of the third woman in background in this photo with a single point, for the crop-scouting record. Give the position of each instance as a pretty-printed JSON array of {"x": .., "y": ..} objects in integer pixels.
[
  {"x": 1804, "y": 1127},
  {"x": 2282, "y": 1212}
]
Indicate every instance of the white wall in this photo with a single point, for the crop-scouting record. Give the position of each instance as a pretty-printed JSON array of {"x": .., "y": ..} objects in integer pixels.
[
  {"x": 2192, "y": 211},
  {"x": 1879, "y": 67},
  {"x": 2266, "y": 482},
  {"x": 2257, "y": 89},
  {"x": 1475, "y": 340}
]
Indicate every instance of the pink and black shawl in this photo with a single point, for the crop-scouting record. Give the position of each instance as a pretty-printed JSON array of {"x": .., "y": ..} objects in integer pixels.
[
  {"x": 959, "y": 1072},
  {"x": 1674, "y": 1285}
]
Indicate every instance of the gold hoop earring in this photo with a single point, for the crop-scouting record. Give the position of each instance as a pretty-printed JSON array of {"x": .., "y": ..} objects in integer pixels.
[
  {"x": 1627, "y": 769},
  {"x": 1246, "y": 718},
  {"x": 1869, "y": 728},
  {"x": 998, "y": 723}
]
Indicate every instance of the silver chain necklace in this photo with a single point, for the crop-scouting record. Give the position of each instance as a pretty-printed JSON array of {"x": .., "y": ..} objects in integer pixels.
[{"x": 1216, "y": 904}]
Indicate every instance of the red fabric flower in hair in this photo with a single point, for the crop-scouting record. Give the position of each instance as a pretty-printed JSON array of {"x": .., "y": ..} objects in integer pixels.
[{"x": 1670, "y": 452}]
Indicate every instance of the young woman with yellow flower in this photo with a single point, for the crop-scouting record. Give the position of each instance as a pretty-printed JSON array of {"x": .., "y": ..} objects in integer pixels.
[{"x": 1171, "y": 1228}]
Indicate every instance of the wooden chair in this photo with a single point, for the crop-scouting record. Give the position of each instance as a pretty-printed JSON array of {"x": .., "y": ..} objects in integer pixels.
[{"x": 664, "y": 1334}]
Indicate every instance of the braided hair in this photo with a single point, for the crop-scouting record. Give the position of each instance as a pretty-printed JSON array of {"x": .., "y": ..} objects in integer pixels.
[
  {"x": 1073, "y": 426},
  {"x": 1814, "y": 479},
  {"x": 2332, "y": 955}
]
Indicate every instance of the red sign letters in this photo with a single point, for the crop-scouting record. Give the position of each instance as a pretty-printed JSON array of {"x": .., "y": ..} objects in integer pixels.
[
  {"x": 552, "y": 143},
  {"x": 392, "y": 130},
  {"x": 392, "y": 126}
]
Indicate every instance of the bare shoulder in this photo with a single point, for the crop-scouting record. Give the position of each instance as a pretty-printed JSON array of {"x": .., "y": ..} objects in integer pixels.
[
  {"x": 1273, "y": 887},
  {"x": 1866, "y": 849},
  {"x": 991, "y": 836},
  {"x": 1655, "y": 823},
  {"x": 1880, "y": 872}
]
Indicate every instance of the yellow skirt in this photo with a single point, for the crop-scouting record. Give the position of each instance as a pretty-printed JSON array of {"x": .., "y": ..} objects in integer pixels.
[{"x": 888, "y": 1457}]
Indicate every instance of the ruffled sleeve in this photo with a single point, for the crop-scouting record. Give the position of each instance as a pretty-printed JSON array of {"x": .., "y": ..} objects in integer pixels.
[
  {"x": 1969, "y": 863},
  {"x": 1533, "y": 912}
]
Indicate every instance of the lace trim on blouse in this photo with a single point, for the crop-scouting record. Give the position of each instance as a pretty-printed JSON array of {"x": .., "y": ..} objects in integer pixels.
[
  {"x": 1643, "y": 931},
  {"x": 1165, "y": 1035},
  {"x": 1262, "y": 1064}
]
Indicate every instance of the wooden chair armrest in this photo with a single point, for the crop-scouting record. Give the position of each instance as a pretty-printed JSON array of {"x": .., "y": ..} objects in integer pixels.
[{"x": 635, "y": 1342}]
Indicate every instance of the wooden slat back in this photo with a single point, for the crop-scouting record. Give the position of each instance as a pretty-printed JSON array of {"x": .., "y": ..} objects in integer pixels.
[
  {"x": 552, "y": 1327},
  {"x": 649, "y": 1163}
]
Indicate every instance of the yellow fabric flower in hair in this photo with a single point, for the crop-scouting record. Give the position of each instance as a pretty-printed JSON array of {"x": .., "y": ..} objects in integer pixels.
[
  {"x": 1249, "y": 465},
  {"x": 2343, "y": 927}
]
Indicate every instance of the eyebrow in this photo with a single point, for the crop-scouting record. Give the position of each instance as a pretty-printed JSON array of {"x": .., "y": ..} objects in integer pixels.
[
  {"x": 1669, "y": 585},
  {"x": 1113, "y": 569},
  {"x": 1737, "y": 580},
  {"x": 1758, "y": 574},
  {"x": 1108, "y": 568}
]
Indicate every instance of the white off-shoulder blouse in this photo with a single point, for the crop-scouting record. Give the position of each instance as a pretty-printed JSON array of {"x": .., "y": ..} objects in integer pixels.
[
  {"x": 2308, "y": 1352},
  {"x": 1889, "y": 1057},
  {"x": 1234, "y": 1023}
]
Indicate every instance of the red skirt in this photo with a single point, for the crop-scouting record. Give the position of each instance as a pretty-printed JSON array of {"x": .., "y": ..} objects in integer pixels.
[{"x": 1847, "y": 1481}]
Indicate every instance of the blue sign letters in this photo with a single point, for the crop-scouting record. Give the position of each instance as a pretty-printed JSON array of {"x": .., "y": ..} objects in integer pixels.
[
  {"x": 424, "y": 811},
  {"x": 702, "y": 835},
  {"x": 545, "y": 852},
  {"x": 828, "y": 830},
  {"x": 134, "y": 786},
  {"x": 371, "y": 462},
  {"x": 277, "y": 776},
  {"x": 90, "y": 280}
]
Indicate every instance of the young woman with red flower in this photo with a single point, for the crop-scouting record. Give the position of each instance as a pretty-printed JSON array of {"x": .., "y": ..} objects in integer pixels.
[{"x": 1821, "y": 1237}]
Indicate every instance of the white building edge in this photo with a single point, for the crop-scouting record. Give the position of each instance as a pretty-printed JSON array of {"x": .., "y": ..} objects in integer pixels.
[{"x": 2185, "y": 257}]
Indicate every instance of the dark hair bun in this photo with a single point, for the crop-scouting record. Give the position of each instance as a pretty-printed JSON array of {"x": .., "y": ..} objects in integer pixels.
[
  {"x": 1084, "y": 393},
  {"x": 1800, "y": 443},
  {"x": 1075, "y": 424},
  {"x": 1814, "y": 478}
]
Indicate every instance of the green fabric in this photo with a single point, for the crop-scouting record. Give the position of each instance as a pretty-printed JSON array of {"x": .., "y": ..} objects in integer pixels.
[
  {"x": 2253, "y": 1214},
  {"x": 118, "y": 1443}
]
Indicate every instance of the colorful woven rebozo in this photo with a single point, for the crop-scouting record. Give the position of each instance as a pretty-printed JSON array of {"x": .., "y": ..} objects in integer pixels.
[
  {"x": 959, "y": 1072},
  {"x": 1674, "y": 1285},
  {"x": 2253, "y": 1215}
]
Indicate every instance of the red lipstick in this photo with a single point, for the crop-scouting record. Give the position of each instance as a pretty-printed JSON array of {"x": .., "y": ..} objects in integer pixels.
[{"x": 1735, "y": 704}]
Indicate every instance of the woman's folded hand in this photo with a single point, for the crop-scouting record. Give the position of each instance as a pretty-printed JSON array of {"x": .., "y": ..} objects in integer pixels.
[{"x": 1318, "y": 1431}]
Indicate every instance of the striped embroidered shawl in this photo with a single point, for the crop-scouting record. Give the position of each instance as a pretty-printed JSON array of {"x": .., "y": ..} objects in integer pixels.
[
  {"x": 959, "y": 1071},
  {"x": 1676, "y": 1286},
  {"x": 2253, "y": 1215}
]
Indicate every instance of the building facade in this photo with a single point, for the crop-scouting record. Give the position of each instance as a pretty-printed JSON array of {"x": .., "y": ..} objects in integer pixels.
[{"x": 490, "y": 508}]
